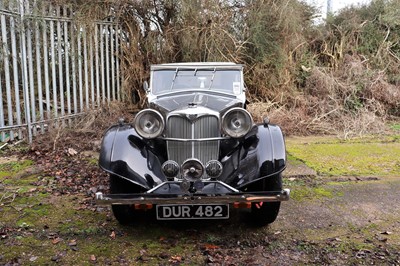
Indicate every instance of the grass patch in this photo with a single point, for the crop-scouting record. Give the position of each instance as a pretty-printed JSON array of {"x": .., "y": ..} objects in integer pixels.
[
  {"x": 395, "y": 127},
  {"x": 293, "y": 160},
  {"x": 22, "y": 181},
  {"x": 15, "y": 167},
  {"x": 300, "y": 193},
  {"x": 358, "y": 157},
  {"x": 25, "y": 210},
  {"x": 93, "y": 161}
]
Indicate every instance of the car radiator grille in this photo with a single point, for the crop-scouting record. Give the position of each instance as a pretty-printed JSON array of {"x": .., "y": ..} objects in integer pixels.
[{"x": 183, "y": 128}]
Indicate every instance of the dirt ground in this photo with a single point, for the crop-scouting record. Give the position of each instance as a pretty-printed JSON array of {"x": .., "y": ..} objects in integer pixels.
[{"x": 48, "y": 216}]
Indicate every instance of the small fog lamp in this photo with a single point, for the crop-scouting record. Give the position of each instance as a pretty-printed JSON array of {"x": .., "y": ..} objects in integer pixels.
[
  {"x": 192, "y": 169},
  {"x": 214, "y": 168},
  {"x": 170, "y": 169}
]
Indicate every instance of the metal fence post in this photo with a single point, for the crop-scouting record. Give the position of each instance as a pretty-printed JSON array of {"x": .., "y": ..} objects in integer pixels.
[{"x": 25, "y": 72}]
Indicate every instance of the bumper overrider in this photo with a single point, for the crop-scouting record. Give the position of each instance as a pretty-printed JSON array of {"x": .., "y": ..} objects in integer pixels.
[{"x": 208, "y": 192}]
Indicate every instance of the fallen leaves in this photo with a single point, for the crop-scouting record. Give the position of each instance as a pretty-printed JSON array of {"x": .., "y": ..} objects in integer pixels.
[
  {"x": 175, "y": 259},
  {"x": 4, "y": 233},
  {"x": 143, "y": 256},
  {"x": 56, "y": 240},
  {"x": 71, "y": 152},
  {"x": 32, "y": 190},
  {"x": 92, "y": 258},
  {"x": 73, "y": 245},
  {"x": 58, "y": 256},
  {"x": 209, "y": 247},
  {"x": 33, "y": 258}
]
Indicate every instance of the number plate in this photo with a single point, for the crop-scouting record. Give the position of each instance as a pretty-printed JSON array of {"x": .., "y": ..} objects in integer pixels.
[{"x": 195, "y": 211}]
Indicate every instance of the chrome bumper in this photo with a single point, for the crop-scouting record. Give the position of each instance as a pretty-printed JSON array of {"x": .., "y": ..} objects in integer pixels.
[{"x": 151, "y": 198}]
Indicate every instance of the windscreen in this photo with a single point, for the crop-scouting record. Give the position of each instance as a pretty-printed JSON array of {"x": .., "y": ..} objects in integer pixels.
[{"x": 168, "y": 80}]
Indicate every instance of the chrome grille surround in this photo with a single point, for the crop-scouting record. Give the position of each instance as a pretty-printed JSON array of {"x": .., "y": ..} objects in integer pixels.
[{"x": 193, "y": 136}]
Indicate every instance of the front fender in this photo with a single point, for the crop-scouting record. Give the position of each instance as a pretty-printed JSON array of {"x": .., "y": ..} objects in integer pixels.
[
  {"x": 271, "y": 152},
  {"x": 125, "y": 154},
  {"x": 261, "y": 155}
]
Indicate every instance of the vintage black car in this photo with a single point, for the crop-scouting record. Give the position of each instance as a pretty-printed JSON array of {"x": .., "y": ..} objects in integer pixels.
[{"x": 195, "y": 152}]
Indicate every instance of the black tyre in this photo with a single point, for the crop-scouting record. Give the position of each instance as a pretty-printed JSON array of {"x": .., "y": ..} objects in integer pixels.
[
  {"x": 125, "y": 214},
  {"x": 263, "y": 213}
]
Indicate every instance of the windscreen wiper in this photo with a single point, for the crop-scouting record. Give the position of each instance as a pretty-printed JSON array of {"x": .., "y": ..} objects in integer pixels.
[
  {"x": 212, "y": 78},
  {"x": 173, "y": 80}
]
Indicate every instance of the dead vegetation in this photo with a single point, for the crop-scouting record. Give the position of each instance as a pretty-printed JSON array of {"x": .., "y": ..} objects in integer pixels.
[
  {"x": 88, "y": 128},
  {"x": 337, "y": 77},
  {"x": 334, "y": 78}
]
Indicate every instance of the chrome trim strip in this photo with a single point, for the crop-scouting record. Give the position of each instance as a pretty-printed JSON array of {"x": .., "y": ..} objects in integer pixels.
[
  {"x": 195, "y": 140},
  {"x": 197, "y": 110}
]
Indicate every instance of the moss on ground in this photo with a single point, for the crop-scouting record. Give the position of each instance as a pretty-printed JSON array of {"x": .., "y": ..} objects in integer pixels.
[
  {"x": 357, "y": 157},
  {"x": 14, "y": 167},
  {"x": 299, "y": 193},
  {"x": 293, "y": 160}
]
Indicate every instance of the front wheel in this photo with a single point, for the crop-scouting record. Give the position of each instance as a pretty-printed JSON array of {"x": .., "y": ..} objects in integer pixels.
[
  {"x": 125, "y": 214},
  {"x": 263, "y": 213}
]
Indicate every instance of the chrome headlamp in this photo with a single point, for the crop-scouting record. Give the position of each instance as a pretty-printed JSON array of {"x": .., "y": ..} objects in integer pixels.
[
  {"x": 237, "y": 122},
  {"x": 149, "y": 124}
]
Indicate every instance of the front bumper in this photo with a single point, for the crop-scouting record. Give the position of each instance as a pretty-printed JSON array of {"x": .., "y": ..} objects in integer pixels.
[{"x": 214, "y": 192}]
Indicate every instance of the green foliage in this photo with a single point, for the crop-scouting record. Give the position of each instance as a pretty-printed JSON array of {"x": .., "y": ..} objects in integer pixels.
[
  {"x": 368, "y": 29},
  {"x": 396, "y": 127}
]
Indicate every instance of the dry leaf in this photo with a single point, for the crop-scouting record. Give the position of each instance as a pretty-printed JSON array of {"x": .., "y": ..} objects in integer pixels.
[
  {"x": 142, "y": 252},
  {"x": 72, "y": 152},
  {"x": 175, "y": 259},
  {"x": 210, "y": 246},
  {"x": 56, "y": 240}
]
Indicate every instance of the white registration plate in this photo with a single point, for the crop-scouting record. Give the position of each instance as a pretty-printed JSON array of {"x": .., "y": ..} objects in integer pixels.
[{"x": 193, "y": 211}]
